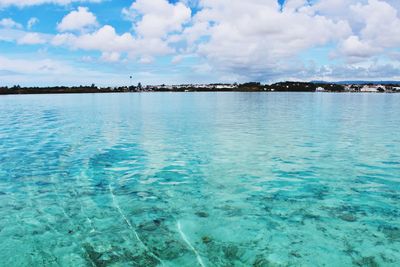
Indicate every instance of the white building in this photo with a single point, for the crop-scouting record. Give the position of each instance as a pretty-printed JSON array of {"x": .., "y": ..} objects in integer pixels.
[
  {"x": 372, "y": 88},
  {"x": 225, "y": 86}
]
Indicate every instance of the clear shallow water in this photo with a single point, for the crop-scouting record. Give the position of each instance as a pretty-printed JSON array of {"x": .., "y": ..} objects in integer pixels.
[{"x": 212, "y": 179}]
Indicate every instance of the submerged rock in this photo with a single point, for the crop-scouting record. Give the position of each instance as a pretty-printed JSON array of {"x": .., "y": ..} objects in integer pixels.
[
  {"x": 259, "y": 262},
  {"x": 230, "y": 252},
  {"x": 157, "y": 222},
  {"x": 295, "y": 254},
  {"x": 150, "y": 225},
  {"x": 391, "y": 232},
  {"x": 310, "y": 216},
  {"x": 48, "y": 259},
  {"x": 202, "y": 214},
  {"x": 366, "y": 262},
  {"x": 172, "y": 250},
  {"x": 262, "y": 262},
  {"x": 349, "y": 249},
  {"x": 206, "y": 239},
  {"x": 98, "y": 258},
  {"x": 387, "y": 259},
  {"x": 145, "y": 260},
  {"x": 232, "y": 211},
  {"x": 348, "y": 217},
  {"x": 161, "y": 240}
]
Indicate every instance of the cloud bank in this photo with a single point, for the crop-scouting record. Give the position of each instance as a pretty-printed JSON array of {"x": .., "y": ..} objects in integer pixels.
[{"x": 233, "y": 40}]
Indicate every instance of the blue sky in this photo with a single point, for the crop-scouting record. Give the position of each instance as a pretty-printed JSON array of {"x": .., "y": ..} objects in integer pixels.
[{"x": 72, "y": 42}]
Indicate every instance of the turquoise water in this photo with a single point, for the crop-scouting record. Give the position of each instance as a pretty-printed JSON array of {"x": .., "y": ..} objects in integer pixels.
[{"x": 200, "y": 179}]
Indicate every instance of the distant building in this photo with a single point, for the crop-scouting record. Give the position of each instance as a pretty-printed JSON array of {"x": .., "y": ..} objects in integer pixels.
[
  {"x": 225, "y": 86},
  {"x": 320, "y": 89},
  {"x": 372, "y": 88},
  {"x": 349, "y": 88}
]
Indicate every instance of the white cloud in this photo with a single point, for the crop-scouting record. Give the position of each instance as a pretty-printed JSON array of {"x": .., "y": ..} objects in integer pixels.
[
  {"x": 371, "y": 71},
  {"x": 355, "y": 50},
  {"x": 10, "y": 35},
  {"x": 78, "y": 20},
  {"x": 256, "y": 37},
  {"x": 376, "y": 28},
  {"x": 259, "y": 39},
  {"x": 31, "y": 22},
  {"x": 31, "y": 38},
  {"x": 146, "y": 60},
  {"x": 110, "y": 56},
  {"x": 236, "y": 39},
  {"x": 24, "y": 37},
  {"x": 155, "y": 23},
  {"x": 381, "y": 23},
  {"x": 9, "y": 24},
  {"x": 107, "y": 40},
  {"x": 47, "y": 71},
  {"x": 24, "y": 66},
  {"x": 157, "y": 18},
  {"x": 24, "y": 3}
]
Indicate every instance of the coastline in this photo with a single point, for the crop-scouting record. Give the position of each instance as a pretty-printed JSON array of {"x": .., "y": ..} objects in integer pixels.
[
  {"x": 246, "y": 87},
  {"x": 183, "y": 92}
]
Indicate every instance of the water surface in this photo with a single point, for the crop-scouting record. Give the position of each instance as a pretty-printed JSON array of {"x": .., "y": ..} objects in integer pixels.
[{"x": 200, "y": 179}]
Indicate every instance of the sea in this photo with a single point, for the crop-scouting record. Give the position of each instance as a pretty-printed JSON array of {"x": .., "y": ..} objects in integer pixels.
[{"x": 200, "y": 179}]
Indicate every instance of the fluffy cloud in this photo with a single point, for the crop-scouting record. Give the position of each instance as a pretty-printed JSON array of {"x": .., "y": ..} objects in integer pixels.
[
  {"x": 31, "y": 22},
  {"x": 154, "y": 21},
  {"x": 9, "y": 24},
  {"x": 375, "y": 25},
  {"x": 31, "y": 38},
  {"x": 23, "y": 66},
  {"x": 80, "y": 19},
  {"x": 24, "y": 3},
  {"x": 254, "y": 39},
  {"x": 370, "y": 71},
  {"x": 105, "y": 39},
  {"x": 157, "y": 18},
  {"x": 110, "y": 43},
  {"x": 236, "y": 39},
  {"x": 110, "y": 56},
  {"x": 47, "y": 71},
  {"x": 257, "y": 37},
  {"x": 381, "y": 23},
  {"x": 23, "y": 38},
  {"x": 353, "y": 48}
]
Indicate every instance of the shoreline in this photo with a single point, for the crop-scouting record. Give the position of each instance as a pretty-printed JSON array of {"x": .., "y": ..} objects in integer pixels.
[
  {"x": 183, "y": 92},
  {"x": 290, "y": 87}
]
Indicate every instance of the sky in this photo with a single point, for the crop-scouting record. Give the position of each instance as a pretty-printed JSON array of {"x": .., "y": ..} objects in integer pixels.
[{"x": 105, "y": 42}]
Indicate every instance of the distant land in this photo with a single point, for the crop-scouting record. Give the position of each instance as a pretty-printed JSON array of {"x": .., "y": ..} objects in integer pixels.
[
  {"x": 314, "y": 86},
  {"x": 361, "y": 82}
]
